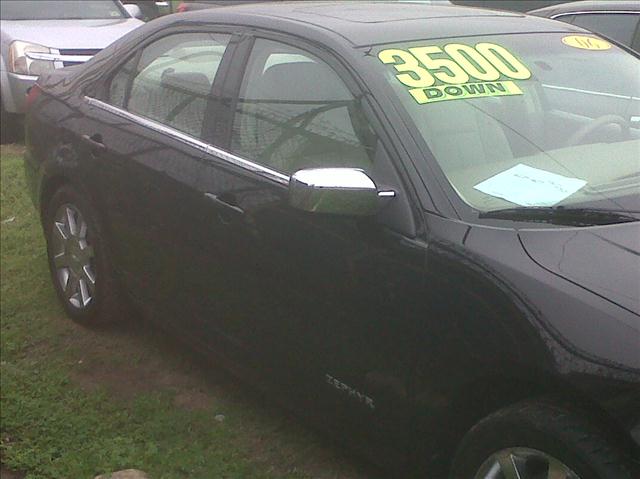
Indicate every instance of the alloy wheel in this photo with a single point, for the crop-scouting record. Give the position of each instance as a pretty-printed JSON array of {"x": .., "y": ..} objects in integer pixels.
[
  {"x": 524, "y": 463},
  {"x": 73, "y": 256}
]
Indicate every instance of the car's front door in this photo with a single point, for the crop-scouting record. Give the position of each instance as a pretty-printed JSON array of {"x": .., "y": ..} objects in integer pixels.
[{"x": 323, "y": 303}]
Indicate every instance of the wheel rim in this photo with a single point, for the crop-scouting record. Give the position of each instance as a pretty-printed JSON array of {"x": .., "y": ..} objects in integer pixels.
[
  {"x": 524, "y": 463},
  {"x": 73, "y": 257}
]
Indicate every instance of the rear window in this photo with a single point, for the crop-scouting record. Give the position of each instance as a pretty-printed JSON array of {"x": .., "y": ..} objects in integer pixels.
[{"x": 172, "y": 81}]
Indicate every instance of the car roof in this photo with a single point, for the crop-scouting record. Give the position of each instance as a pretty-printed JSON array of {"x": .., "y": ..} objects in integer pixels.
[
  {"x": 368, "y": 23},
  {"x": 590, "y": 6}
]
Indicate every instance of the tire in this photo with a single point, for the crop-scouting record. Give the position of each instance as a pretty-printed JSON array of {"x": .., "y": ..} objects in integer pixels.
[
  {"x": 85, "y": 257},
  {"x": 542, "y": 427}
]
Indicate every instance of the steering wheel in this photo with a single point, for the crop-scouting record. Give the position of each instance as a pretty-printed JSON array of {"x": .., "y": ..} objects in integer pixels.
[{"x": 596, "y": 124}]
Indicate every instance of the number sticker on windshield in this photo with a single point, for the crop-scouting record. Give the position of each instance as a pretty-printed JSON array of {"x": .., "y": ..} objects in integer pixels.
[
  {"x": 456, "y": 71},
  {"x": 586, "y": 43}
]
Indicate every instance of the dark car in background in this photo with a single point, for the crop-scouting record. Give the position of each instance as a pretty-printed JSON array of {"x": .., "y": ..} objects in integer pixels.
[
  {"x": 418, "y": 226},
  {"x": 516, "y": 5},
  {"x": 618, "y": 20},
  {"x": 150, "y": 9},
  {"x": 191, "y": 5}
]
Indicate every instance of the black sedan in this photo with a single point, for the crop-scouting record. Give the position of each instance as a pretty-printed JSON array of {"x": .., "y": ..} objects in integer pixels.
[
  {"x": 415, "y": 225},
  {"x": 617, "y": 19}
]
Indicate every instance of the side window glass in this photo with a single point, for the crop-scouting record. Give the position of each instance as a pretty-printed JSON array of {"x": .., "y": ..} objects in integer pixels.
[
  {"x": 294, "y": 112},
  {"x": 174, "y": 77},
  {"x": 120, "y": 83},
  {"x": 566, "y": 18},
  {"x": 619, "y": 26}
]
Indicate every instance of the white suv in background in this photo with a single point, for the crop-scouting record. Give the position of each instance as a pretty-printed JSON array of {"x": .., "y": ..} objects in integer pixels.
[{"x": 38, "y": 36}]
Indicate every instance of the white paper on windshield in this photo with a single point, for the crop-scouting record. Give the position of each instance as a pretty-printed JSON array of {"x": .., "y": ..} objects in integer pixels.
[{"x": 527, "y": 186}]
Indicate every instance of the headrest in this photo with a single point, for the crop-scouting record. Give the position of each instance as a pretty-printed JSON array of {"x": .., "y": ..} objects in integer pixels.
[
  {"x": 192, "y": 82},
  {"x": 301, "y": 81}
]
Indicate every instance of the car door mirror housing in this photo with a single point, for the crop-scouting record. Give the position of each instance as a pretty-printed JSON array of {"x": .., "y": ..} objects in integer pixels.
[{"x": 339, "y": 191}]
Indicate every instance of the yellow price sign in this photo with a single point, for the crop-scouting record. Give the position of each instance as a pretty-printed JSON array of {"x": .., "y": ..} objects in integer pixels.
[{"x": 456, "y": 71}]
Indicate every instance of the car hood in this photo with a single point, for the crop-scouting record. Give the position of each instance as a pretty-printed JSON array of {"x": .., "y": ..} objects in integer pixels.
[
  {"x": 602, "y": 259},
  {"x": 90, "y": 34}
]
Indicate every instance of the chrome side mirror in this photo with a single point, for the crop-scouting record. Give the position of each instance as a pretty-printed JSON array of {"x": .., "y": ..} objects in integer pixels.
[{"x": 339, "y": 191}]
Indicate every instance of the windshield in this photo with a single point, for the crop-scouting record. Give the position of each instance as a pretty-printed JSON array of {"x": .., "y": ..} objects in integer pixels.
[
  {"x": 524, "y": 120},
  {"x": 60, "y": 10}
]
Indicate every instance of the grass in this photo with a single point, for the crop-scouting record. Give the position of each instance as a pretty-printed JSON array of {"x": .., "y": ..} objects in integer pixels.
[{"x": 76, "y": 403}]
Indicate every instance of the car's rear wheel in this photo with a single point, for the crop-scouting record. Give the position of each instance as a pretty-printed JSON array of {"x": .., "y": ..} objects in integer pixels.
[
  {"x": 539, "y": 440},
  {"x": 79, "y": 260}
]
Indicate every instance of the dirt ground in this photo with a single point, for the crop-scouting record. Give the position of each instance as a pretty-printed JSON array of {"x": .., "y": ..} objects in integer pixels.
[
  {"x": 138, "y": 359},
  {"x": 7, "y": 474}
]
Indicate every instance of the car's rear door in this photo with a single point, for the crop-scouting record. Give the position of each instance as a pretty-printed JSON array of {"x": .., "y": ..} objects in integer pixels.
[
  {"x": 323, "y": 304},
  {"x": 149, "y": 135}
]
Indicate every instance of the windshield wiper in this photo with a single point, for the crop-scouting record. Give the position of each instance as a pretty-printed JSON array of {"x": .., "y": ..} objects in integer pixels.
[{"x": 561, "y": 215}]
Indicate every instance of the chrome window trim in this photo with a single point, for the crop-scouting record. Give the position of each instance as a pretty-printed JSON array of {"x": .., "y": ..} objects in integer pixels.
[
  {"x": 224, "y": 155},
  {"x": 597, "y": 93},
  {"x": 595, "y": 12},
  {"x": 56, "y": 57}
]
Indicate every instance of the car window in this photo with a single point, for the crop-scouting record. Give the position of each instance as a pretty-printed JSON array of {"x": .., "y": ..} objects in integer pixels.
[
  {"x": 619, "y": 26},
  {"x": 120, "y": 82},
  {"x": 565, "y": 18},
  {"x": 173, "y": 80},
  {"x": 294, "y": 112}
]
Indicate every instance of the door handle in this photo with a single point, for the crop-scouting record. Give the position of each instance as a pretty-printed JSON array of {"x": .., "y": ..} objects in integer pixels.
[
  {"x": 225, "y": 205},
  {"x": 94, "y": 141}
]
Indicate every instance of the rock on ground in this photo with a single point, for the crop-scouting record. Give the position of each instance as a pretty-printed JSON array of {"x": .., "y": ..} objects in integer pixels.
[{"x": 127, "y": 474}]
